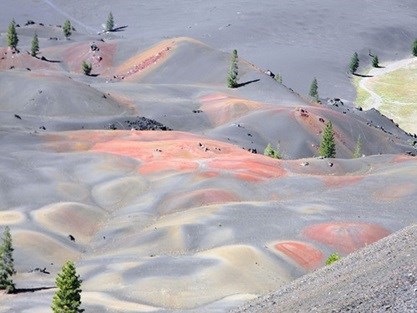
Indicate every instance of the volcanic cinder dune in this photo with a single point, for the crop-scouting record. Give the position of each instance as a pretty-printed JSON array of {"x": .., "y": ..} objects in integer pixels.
[{"x": 150, "y": 175}]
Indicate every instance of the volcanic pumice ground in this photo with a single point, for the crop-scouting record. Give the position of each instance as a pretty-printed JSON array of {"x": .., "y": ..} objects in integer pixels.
[{"x": 146, "y": 163}]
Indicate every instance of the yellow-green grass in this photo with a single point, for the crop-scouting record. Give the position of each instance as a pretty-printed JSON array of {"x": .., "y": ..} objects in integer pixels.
[
  {"x": 398, "y": 91},
  {"x": 361, "y": 95}
]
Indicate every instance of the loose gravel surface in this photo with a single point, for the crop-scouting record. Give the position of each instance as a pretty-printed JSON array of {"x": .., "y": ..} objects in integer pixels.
[{"x": 379, "y": 278}]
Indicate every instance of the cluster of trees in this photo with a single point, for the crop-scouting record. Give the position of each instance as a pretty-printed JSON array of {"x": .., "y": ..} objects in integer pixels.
[{"x": 68, "y": 296}]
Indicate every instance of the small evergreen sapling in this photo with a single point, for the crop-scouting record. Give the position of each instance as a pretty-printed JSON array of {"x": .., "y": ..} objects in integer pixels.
[
  {"x": 357, "y": 153},
  {"x": 414, "y": 49},
  {"x": 314, "y": 87},
  {"x": 110, "y": 23},
  {"x": 328, "y": 145},
  {"x": 354, "y": 63},
  {"x": 271, "y": 152},
  {"x": 86, "y": 68},
  {"x": 375, "y": 61},
  {"x": 35, "y": 46},
  {"x": 334, "y": 257},
  {"x": 67, "y": 298},
  {"x": 12, "y": 39},
  {"x": 6, "y": 262},
  {"x": 233, "y": 71},
  {"x": 67, "y": 29}
]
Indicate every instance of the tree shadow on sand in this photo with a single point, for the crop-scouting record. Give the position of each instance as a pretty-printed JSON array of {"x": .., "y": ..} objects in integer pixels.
[
  {"x": 50, "y": 61},
  {"x": 26, "y": 290},
  {"x": 119, "y": 29},
  {"x": 247, "y": 83},
  {"x": 362, "y": 75}
]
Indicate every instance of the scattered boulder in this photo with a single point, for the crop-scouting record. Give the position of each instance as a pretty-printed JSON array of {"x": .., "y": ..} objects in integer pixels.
[
  {"x": 71, "y": 237},
  {"x": 17, "y": 116}
]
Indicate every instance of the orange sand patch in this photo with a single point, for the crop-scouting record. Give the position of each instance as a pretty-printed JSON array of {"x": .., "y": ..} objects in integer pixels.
[
  {"x": 302, "y": 253},
  {"x": 11, "y": 217},
  {"x": 346, "y": 237},
  {"x": 341, "y": 181},
  {"x": 138, "y": 64},
  {"x": 222, "y": 109},
  {"x": 395, "y": 192}
]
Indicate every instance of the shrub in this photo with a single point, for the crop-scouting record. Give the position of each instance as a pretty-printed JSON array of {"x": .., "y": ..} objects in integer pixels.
[
  {"x": 334, "y": 257},
  {"x": 414, "y": 50},
  {"x": 271, "y": 152},
  {"x": 375, "y": 61}
]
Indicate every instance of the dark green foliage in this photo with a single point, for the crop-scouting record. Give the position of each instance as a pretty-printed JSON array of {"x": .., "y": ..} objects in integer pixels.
[
  {"x": 67, "y": 29},
  {"x": 415, "y": 48},
  {"x": 357, "y": 153},
  {"x": 233, "y": 71},
  {"x": 35, "y": 46},
  {"x": 86, "y": 67},
  {"x": 354, "y": 63},
  {"x": 271, "y": 152},
  {"x": 110, "y": 23},
  {"x": 67, "y": 298},
  {"x": 333, "y": 258},
  {"x": 6, "y": 262},
  {"x": 375, "y": 61},
  {"x": 12, "y": 38},
  {"x": 314, "y": 89},
  {"x": 328, "y": 145}
]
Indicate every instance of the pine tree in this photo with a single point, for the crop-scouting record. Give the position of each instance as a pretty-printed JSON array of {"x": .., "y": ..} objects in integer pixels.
[
  {"x": 278, "y": 78},
  {"x": 67, "y": 298},
  {"x": 328, "y": 145},
  {"x": 67, "y": 29},
  {"x": 86, "y": 68},
  {"x": 35, "y": 46},
  {"x": 12, "y": 38},
  {"x": 110, "y": 23},
  {"x": 271, "y": 152},
  {"x": 233, "y": 71},
  {"x": 375, "y": 61},
  {"x": 314, "y": 87},
  {"x": 6, "y": 262},
  {"x": 415, "y": 48},
  {"x": 357, "y": 153},
  {"x": 354, "y": 63}
]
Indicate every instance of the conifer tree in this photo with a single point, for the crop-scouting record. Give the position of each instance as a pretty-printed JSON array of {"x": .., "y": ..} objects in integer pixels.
[
  {"x": 328, "y": 145},
  {"x": 35, "y": 46},
  {"x": 354, "y": 63},
  {"x": 375, "y": 61},
  {"x": 86, "y": 68},
  {"x": 314, "y": 87},
  {"x": 12, "y": 38},
  {"x": 233, "y": 71},
  {"x": 414, "y": 50},
  {"x": 67, "y": 29},
  {"x": 271, "y": 152},
  {"x": 110, "y": 23},
  {"x": 278, "y": 78},
  {"x": 357, "y": 153},
  {"x": 67, "y": 298},
  {"x": 6, "y": 262}
]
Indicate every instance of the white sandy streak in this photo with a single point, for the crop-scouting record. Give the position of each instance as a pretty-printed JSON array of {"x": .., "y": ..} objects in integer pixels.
[{"x": 62, "y": 12}]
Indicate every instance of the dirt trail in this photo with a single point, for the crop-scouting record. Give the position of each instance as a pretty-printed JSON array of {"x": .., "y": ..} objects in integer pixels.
[
  {"x": 72, "y": 18},
  {"x": 366, "y": 83}
]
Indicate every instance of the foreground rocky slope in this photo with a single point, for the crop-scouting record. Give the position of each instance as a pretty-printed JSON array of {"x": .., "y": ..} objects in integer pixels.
[{"x": 379, "y": 278}]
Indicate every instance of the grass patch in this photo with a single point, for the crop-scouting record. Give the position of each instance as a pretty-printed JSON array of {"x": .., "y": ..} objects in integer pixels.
[
  {"x": 361, "y": 95},
  {"x": 334, "y": 257}
]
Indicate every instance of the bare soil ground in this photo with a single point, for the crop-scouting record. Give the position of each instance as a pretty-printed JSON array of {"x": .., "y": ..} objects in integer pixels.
[{"x": 155, "y": 168}]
